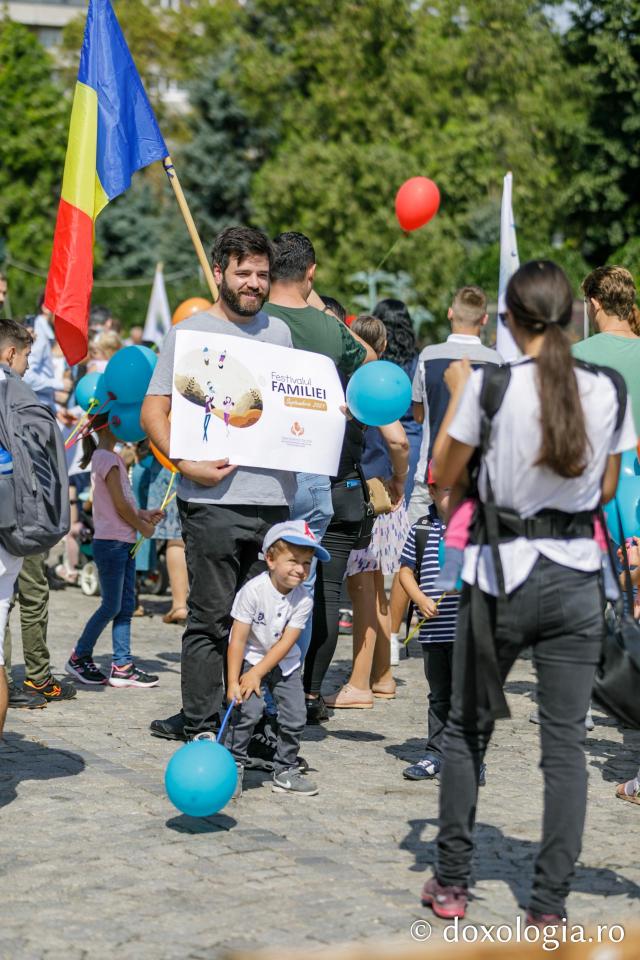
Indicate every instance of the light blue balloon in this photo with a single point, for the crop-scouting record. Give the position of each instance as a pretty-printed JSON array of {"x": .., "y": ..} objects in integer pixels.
[
  {"x": 128, "y": 373},
  {"x": 200, "y": 778},
  {"x": 379, "y": 393},
  {"x": 104, "y": 399},
  {"x": 627, "y": 499},
  {"x": 86, "y": 389},
  {"x": 124, "y": 422}
]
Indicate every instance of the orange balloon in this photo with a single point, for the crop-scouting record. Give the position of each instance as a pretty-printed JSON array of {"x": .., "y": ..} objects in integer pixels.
[
  {"x": 162, "y": 460},
  {"x": 188, "y": 307}
]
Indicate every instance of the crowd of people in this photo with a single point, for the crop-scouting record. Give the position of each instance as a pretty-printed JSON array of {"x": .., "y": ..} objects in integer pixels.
[{"x": 475, "y": 514}]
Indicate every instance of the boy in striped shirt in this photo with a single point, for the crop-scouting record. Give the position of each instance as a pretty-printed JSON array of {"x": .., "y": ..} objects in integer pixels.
[{"x": 438, "y": 614}]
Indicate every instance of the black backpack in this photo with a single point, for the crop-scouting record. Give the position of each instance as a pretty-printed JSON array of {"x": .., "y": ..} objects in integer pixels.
[{"x": 34, "y": 502}]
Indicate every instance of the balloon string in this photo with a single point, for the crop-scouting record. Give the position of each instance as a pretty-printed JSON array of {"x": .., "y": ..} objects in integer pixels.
[
  {"x": 224, "y": 721},
  {"x": 165, "y": 503},
  {"x": 166, "y": 496},
  {"x": 80, "y": 424},
  {"x": 389, "y": 252},
  {"x": 420, "y": 625},
  {"x": 84, "y": 422}
]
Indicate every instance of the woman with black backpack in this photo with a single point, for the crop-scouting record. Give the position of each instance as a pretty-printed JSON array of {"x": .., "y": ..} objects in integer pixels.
[{"x": 550, "y": 453}]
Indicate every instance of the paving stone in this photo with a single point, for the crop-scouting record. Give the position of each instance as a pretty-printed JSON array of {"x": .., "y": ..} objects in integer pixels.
[{"x": 87, "y": 825}]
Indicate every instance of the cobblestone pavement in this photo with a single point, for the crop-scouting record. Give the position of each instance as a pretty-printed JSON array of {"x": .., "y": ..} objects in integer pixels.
[{"x": 97, "y": 863}]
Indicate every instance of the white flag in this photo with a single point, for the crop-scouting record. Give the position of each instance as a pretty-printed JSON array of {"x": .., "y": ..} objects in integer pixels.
[
  {"x": 509, "y": 263},
  {"x": 158, "y": 322}
]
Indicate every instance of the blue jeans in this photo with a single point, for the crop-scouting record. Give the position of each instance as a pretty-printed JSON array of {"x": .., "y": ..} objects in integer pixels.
[
  {"x": 117, "y": 572},
  {"x": 312, "y": 503}
]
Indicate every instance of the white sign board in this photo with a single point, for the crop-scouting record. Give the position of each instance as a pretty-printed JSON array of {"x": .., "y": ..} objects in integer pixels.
[{"x": 257, "y": 404}]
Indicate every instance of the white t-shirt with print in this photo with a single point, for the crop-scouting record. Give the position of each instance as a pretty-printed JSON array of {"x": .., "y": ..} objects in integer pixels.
[
  {"x": 268, "y": 611},
  {"x": 520, "y": 485}
]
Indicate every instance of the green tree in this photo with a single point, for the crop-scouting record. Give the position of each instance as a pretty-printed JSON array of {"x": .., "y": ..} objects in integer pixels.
[
  {"x": 33, "y": 132},
  {"x": 363, "y": 94},
  {"x": 602, "y": 196}
]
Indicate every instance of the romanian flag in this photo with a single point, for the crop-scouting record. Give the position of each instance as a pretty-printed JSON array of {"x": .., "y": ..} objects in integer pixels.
[{"x": 113, "y": 133}]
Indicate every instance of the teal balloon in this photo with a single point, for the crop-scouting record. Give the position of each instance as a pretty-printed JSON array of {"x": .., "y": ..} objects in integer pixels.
[
  {"x": 623, "y": 512},
  {"x": 102, "y": 395},
  {"x": 200, "y": 778},
  {"x": 128, "y": 373},
  {"x": 442, "y": 552},
  {"x": 379, "y": 393},
  {"x": 124, "y": 422},
  {"x": 86, "y": 389}
]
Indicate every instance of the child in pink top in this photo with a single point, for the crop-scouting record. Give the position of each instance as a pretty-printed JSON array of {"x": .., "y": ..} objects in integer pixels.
[{"x": 116, "y": 520}]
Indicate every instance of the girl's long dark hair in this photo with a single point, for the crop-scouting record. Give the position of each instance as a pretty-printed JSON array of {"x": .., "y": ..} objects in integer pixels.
[
  {"x": 401, "y": 339},
  {"x": 88, "y": 443},
  {"x": 540, "y": 300}
]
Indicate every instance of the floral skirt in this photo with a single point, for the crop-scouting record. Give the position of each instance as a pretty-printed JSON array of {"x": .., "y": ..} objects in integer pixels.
[{"x": 388, "y": 538}]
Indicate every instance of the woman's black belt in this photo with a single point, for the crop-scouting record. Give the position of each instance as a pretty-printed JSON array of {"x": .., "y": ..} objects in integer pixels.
[{"x": 545, "y": 525}]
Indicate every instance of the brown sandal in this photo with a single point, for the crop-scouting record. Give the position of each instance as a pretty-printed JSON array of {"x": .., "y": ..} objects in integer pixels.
[{"x": 178, "y": 616}]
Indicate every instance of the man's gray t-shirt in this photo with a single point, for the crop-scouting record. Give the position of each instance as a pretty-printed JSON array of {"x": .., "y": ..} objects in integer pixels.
[{"x": 250, "y": 486}]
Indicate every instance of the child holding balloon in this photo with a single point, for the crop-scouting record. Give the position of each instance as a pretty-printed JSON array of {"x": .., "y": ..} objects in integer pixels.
[
  {"x": 116, "y": 520},
  {"x": 268, "y": 615}
]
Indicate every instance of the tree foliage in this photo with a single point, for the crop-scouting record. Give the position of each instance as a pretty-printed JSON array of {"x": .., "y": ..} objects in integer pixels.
[{"x": 33, "y": 132}]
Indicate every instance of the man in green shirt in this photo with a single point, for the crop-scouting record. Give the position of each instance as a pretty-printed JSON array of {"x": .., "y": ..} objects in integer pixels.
[
  {"x": 318, "y": 331},
  {"x": 610, "y": 296},
  {"x": 292, "y": 274}
]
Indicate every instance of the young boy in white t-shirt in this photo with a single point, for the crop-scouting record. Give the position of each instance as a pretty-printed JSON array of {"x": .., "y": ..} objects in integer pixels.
[{"x": 269, "y": 614}]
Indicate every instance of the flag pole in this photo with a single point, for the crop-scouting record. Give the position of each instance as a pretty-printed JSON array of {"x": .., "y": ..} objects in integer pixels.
[{"x": 170, "y": 171}]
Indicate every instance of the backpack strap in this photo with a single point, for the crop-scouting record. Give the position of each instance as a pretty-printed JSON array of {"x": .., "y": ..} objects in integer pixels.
[
  {"x": 495, "y": 381},
  {"x": 423, "y": 525},
  {"x": 618, "y": 382}
]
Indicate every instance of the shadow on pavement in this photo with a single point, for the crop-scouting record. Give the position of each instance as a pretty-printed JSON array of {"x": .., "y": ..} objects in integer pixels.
[
  {"x": 217, "y": 824},
  {"x": 22, "y": 759},
  {"x": 498, "y": 856}
]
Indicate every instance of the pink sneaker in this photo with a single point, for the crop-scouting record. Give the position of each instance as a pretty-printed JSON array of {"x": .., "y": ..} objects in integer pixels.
[
  {"x": 131, "y": 676},
  {"x": 446, "y": 902}
]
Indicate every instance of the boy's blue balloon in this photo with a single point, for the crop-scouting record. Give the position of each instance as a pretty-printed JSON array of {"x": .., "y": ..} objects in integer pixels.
[
  {"x": 124, "y": 422},
  {"x": 379, "y": 393},
  {"x": 128, "y": 373},
  {"x": 200, "y": 778},
  {"x": 86, "y": 389},
  {"x": 628, "y": 500}
]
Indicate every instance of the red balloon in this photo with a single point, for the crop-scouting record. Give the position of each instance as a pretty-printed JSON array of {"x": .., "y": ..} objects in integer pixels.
[{"x": 417, "y": 202}]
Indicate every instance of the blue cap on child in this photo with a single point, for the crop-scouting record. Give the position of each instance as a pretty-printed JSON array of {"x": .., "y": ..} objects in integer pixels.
[{"x": 298, "y": 532}]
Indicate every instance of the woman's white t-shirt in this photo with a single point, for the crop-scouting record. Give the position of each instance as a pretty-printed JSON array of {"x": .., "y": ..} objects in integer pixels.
[{"x": 520, "y": 485}]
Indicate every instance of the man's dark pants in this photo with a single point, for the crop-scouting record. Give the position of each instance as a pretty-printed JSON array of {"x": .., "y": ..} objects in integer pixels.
[{"x": 222, "y": 544}]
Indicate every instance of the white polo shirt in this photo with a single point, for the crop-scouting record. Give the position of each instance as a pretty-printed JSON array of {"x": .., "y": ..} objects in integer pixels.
[
  {"x": 519, "y": 484},
  {"x": 269, "y": 612}
]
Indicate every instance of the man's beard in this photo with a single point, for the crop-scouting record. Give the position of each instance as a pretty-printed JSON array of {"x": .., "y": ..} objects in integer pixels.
[{"x": 234, "y": 301}]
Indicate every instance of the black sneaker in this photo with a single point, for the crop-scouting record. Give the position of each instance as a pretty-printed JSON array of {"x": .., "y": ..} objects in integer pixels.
[
  {"x": 170, "y": 729},
  {"x": 85, "y": 670},
  {"x": 19, "y": 699},
  {"x": 52, "y": 690},
  {"x": 316, "y": 710},
  {"x": 345, "y": 622}
]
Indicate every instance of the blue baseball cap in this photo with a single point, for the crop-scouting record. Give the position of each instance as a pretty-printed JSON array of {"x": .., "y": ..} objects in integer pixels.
[{"x": 298, "y": 532}]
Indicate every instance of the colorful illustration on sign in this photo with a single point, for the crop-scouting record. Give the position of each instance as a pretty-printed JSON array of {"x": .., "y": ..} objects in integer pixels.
[{"x": 230, "y": 393}]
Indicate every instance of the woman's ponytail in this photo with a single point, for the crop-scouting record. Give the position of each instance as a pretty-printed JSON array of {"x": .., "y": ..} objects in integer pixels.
[
  {"x": 540, "y": 301},
  {"x": 564, "y": 435}
]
